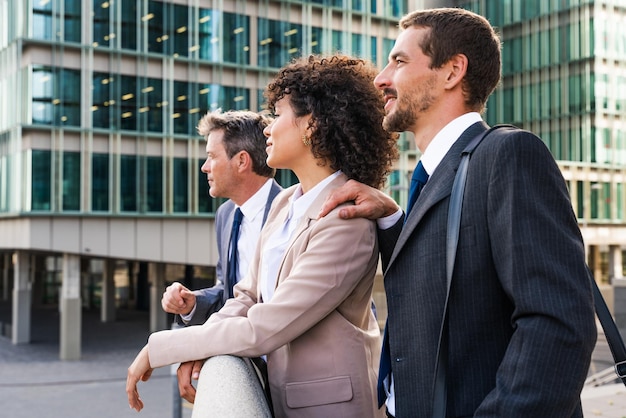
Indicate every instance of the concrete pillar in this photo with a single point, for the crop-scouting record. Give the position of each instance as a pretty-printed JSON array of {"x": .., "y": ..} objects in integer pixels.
[
  {"x": 158, "y": 317},
  {"x": 594, "y": 262},
  {"x": 229, "y": 387},
  {"x": 70, "y": 306},
  {"x": 107, "y": 305},
  {"x": 615, "y": 262},
  {"x": 619, "y": 304},
  {"x": 20, "y": 327},
  {"x": 6, "y": 260}
]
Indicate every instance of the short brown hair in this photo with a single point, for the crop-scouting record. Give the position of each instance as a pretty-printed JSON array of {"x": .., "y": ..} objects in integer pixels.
[
  {"x": 243, "y": 131},
  {"x": 459, "y": 31}
]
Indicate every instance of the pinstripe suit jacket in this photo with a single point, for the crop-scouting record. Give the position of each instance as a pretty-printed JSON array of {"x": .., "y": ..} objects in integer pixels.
[
  {"x": 521, "y": 318},
  {"x": 211, "y": 299}
]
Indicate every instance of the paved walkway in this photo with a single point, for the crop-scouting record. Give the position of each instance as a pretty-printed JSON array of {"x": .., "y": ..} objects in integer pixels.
[{"x": 35, "y": 383}]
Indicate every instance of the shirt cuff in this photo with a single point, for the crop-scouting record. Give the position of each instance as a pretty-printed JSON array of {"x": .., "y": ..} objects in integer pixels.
[
  {"x": 389, "y": 221},
  {"x": 187, "y": 318}
]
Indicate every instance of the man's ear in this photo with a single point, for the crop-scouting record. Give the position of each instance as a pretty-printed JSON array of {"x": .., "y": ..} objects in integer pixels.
[
  {"x": 244, "y": 161},
  {"x": 457, "y": 68}
]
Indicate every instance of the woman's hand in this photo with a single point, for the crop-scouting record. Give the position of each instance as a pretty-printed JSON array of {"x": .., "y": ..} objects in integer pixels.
[{"x": 138, "y": 370}]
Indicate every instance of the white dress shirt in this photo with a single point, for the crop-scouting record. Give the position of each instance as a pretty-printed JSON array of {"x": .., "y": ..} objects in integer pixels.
[
  {"x": 436, "y": 150},
  {"x": 273, "y": 252},
  {"x": 253, "y": 210}
]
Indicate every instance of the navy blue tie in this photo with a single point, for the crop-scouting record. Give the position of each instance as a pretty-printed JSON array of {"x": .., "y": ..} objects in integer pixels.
[
  {"x": 418, "y": 180},
  {"x": 232, "y": 261}
]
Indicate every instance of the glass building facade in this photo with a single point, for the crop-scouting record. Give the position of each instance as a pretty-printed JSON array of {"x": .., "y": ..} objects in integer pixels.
[
  {"x": 100, "y": 99},
  {"x": 564, "y": 78},
  {"x": 105, "y": 96}
]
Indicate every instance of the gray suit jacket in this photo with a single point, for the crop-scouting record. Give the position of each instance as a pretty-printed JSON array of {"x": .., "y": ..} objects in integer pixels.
[
  {"x": 521, "y": 324},
  {"x": 211, "y": 299}
]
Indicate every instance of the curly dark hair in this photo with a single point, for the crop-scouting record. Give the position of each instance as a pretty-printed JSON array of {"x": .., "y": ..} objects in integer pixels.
[{"x": 346, "y": 111}]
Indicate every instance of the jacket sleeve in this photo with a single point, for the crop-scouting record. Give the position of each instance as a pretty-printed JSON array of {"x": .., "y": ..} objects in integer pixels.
[
  {"x": 539, "y": 258},
  {"x": 338, "y": 255}
]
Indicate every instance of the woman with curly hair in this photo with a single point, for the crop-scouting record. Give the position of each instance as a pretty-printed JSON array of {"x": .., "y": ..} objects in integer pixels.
[{"x": 306, "y": 302}]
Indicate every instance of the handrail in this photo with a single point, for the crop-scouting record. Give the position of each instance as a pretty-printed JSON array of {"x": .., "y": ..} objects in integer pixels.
[{"x": 229, "y": 387}]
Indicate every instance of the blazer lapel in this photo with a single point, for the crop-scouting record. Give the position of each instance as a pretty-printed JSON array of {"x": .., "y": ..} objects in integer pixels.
[
  {"x": 311, "y": 215},
  {"x": 438, "y": 187}
]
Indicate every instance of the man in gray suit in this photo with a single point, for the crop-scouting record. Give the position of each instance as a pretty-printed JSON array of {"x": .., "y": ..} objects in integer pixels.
[
  {"x": 236, "y": 169},
  {"x": 520, "y": 324}
]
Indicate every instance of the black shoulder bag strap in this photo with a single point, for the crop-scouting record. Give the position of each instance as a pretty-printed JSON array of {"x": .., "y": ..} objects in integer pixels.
[{"x": 613, "y": 337}]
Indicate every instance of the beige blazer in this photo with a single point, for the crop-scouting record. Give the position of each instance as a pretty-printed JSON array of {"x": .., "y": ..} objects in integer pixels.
[{"x": 319, "y": 333}]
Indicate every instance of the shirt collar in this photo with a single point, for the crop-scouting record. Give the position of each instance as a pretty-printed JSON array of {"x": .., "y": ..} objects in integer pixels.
[
  {"x": 445, "y": 138},
  {"x": 256, "y": 203},
  {"x": 300, "y": 202}
]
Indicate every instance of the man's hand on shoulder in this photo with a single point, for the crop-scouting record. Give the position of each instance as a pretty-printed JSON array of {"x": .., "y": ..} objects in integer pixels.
[
  {"x": 369, "y": 202},
  {"x": 177, "y": 299}
]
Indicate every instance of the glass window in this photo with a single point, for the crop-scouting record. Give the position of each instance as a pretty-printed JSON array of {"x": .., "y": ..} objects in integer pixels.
[
  {"x": 157, "y": 32},
  {"x": 128, "y": 183},
  {"x": 279, "y": 42},
  {"x": 206, "y": 203},
  {"x": 214, "y": 96},
  {"x": 41, "y": 180},
  {"x": 71, "y": 22},
  {"x": 56, "y": 96},
  {"x": 71, "y": 181},
  {"x": 580, "y": 199},
  {"x": 181, "y": 183},
  {"x": 126, "y": 111},
  {"x": 102, "y": 25},
  {"x": 103, "y": 101},
  {"x": 129, "y": 24},
  {"x": 236, "y": 38},
  {"x": 150, "y": 105},
  {"x": 43, "y": 92},
  {"x": 42, "y": 20},
  {"x": 317, "y": 40},
  {"x": 357, "y": 45},
  {"x": 100, "y": 182},
  {"x": 208, "y": 34},
  {"x": 286, "y": 178},
  {"x": 154, "y": 184},
  {"x": 179, "y": 39},
  {"x": 183, "y": 108}
]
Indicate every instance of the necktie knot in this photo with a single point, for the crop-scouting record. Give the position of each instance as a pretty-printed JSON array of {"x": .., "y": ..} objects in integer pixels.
[{"x": 238, "y": 217}]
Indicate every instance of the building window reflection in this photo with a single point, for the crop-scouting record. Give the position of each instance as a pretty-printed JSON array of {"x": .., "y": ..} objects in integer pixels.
[
  {"x": 41, "y": 173},
  {"x": 279, "y": 42},
  {"x": 181, "y": 185},
  {"x": 71, "y": 181},
  {"x": 100, "y": 182},
  {"x": 128, "y": 183},
  {"x": 50, "y": 24},
  {"x": 154, "y": 184},
  {"x": 56, "y": 96}
]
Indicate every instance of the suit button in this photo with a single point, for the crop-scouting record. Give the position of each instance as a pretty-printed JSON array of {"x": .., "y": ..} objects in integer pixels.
[{"x": 399, "y": 359}]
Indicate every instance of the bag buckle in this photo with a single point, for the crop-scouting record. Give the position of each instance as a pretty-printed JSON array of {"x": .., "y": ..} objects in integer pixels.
[{"x": 620, "y": 369}]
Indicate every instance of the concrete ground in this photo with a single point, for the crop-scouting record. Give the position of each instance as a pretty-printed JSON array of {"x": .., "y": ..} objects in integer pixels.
[{"x": 35, "y": 383}]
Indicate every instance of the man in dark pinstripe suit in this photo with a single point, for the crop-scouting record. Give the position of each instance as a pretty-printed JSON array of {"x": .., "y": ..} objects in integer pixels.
[{"x": 520, "y": 320}]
